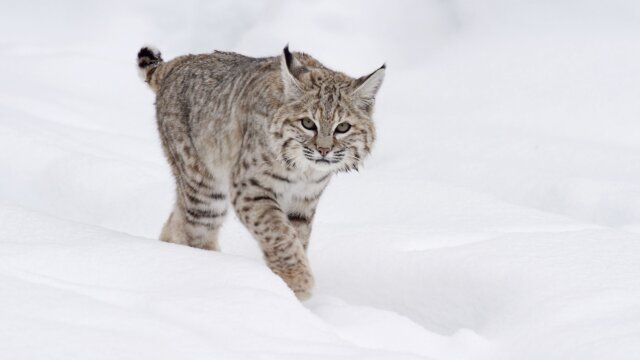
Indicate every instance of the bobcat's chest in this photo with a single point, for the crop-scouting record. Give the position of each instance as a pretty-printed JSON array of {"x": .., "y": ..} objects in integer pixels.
[{"x": 300, "y": 189}]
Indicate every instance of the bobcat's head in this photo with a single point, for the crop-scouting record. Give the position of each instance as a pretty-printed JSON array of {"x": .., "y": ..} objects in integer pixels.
[{"x": 325, "y": 122}]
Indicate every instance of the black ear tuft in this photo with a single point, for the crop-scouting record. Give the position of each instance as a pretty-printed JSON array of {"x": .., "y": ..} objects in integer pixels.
[
  {"x": 287, "y": 56},
  {"x": 291, "y": 68},
  {"x": 384, "y": 66}
]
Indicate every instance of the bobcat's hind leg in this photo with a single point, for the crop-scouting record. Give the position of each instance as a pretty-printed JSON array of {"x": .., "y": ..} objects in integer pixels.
[
  {"x": 173, "y": 229},
  {"x": 195, "y": 223},
  {"x": 201, "y": 202},
  {"x": 203, "y": 210}
]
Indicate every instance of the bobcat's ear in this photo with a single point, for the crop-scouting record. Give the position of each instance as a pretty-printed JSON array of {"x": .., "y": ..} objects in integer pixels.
[
  {"x": 291, "y": 68},
  {"x": 366, "y": 88}
]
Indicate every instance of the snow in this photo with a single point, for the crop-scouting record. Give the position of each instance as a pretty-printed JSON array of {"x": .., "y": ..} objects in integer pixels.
[{"x": 498, "y": 217}]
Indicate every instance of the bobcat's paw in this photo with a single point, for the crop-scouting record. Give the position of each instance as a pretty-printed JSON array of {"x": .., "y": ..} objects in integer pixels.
[{"x": 299, "y": 279}]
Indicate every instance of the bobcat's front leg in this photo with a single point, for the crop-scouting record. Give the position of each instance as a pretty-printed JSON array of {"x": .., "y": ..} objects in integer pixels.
[{"x": 257, "y": 207}]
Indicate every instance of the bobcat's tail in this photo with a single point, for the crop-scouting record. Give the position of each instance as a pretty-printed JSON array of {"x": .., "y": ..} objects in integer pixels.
[{"x": 149, "y": 59}]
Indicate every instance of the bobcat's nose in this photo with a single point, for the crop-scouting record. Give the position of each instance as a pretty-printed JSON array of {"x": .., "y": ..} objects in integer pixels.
[{"x": 324, "y": 150}]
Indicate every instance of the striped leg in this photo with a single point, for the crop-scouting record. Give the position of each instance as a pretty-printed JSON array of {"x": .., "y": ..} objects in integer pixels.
[
  {"x": 302, "y": 209},
  {"x": 301, "y": 221},
  {"x": 201, "y": 203},
  {"x": 258, "y": 209},
  {"x": 203, "y": 213},
  {"x": 196, "y": 220}
]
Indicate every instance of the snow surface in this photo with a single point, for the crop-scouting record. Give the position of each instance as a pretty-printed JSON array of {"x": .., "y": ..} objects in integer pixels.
[{"x": 498, "y": 217}]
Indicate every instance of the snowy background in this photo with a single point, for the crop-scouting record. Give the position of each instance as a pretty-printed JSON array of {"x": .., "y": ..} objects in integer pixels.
[{"x": 498, "y": 217}]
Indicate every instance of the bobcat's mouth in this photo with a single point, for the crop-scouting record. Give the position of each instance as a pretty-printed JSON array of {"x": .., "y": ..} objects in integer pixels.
[{"x": 330, "y": 161}]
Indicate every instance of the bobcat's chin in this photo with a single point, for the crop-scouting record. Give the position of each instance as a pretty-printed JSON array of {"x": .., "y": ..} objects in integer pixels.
[{"x": 324, "y": 165}]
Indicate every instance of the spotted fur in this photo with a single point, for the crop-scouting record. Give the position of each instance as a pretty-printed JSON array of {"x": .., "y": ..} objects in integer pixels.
[{"x": 231, "y": 129}]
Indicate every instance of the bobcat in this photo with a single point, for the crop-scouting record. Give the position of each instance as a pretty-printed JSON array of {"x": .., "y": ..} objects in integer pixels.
[{"x": 265, "y": 133}]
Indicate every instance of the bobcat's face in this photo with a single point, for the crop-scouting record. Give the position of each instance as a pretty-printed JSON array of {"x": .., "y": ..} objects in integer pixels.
[
  {"x": 326, "y": 121},
  {"x": 327, "y": 133}
]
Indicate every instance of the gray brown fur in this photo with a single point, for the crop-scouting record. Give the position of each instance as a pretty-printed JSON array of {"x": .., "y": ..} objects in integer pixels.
[{"x": 231, "y": 130}]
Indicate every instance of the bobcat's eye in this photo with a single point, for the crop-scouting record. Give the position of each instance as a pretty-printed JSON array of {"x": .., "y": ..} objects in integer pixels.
[
  {"x": 343, "y": 128},
  {"x": 308, "y": 124}
]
